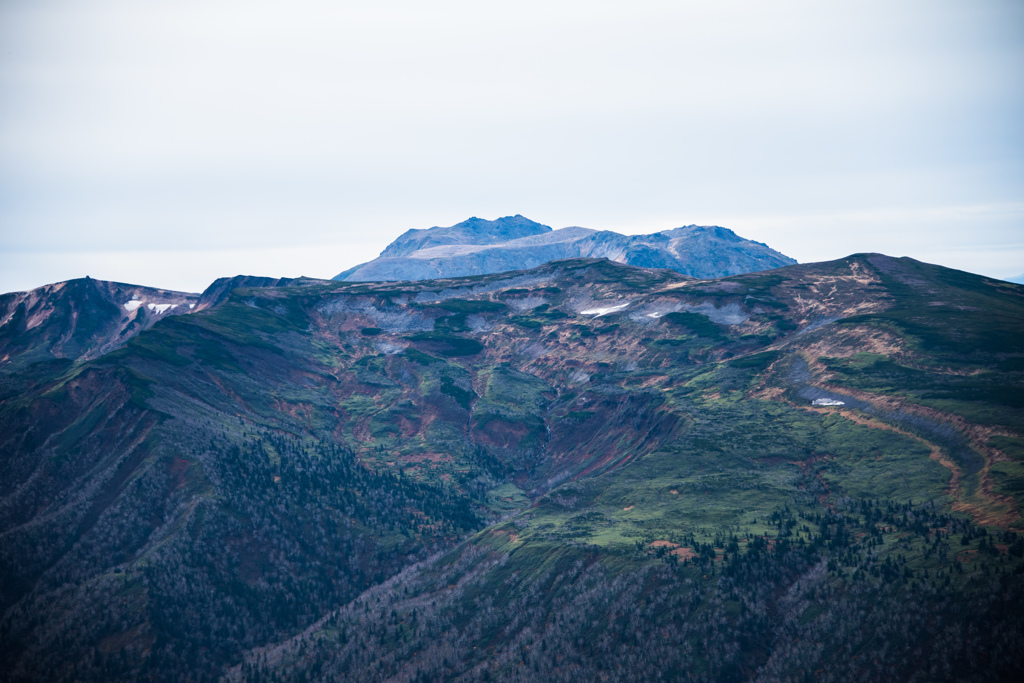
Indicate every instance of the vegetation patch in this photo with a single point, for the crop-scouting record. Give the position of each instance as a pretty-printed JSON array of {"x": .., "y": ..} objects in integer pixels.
[
  {"x": 417, "y": 356},
  {"x": 464, "y": 397},
  {"x": 448, "y": 344},
  {"x": 756, "y": 362},
  {"x": 471, "y": 306},
  {"x": 699, "y": 324}
]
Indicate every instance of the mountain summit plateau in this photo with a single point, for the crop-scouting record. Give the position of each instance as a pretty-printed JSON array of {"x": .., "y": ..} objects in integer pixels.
[{"x": 480, "y": 247}]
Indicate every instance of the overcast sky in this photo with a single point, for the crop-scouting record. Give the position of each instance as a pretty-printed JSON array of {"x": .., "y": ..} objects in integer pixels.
[{"x": 172, "y": 143}]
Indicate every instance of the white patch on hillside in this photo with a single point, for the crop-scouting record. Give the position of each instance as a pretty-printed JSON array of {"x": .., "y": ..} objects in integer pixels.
[
  {"x": 598, "y": 312},
  {"x": 827, "y": 402},
  {"x": 160, "y": 308},
  {"x": 388, "y": 348},
  {"x": 132, "y": 305},
  {"x": 729, "y": 314}
]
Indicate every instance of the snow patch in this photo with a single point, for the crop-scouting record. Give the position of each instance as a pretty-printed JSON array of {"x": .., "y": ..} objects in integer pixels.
[
  {"x": 191, "y": 306},
  {"x": 132, "y": 305},
  {"x": 160, "y": 308},
  {"x": 729, "y": 314},
  {"x": 598, "y": 312},
  {"x": 827, "y": 402}
]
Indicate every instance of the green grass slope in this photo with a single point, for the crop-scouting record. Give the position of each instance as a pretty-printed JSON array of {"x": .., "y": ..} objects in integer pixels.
[{"x": 582, "y": 471}]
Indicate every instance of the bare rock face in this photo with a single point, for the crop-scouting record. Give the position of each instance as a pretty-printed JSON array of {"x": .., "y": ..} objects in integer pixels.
[{"x": 480, "y": 247}]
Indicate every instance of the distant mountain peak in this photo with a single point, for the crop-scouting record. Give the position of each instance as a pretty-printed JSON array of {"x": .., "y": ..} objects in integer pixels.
[
  {"x": 80, "y": 319},
  {"x": 477, "y": 246},
  {"x": 473, "y": 230}
]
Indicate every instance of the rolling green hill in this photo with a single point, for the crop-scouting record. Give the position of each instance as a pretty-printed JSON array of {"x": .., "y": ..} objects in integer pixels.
[{"x": 584, "y": 471}]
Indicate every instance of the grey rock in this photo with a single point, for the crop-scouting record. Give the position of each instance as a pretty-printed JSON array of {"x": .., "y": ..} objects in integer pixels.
[{"x": 479, "y": 247}]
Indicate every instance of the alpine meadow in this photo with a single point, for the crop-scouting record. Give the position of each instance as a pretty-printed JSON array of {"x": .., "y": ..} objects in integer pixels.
[
  {"x": 581, "y": 470},
  {"x": 710, "y": 369}
]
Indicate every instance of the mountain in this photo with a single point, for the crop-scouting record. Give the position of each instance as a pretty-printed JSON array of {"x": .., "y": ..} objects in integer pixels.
[
  {"x": 81, "y": 318},
  {"x": 473, "y": 232},
  {"x": 1017, "y": 280},
  {"x": 479, "y": 247},
  {"x": 581, "y": 471},
  {"x": 222, "y": 287}
]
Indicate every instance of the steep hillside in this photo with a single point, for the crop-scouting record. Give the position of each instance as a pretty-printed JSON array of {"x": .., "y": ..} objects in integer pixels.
[
  {"x": 479, "y": 247},
  {"x": 586, "y": 470},
  {"x": 82, "y": 318},
  {"x": 86, "y": 318}
]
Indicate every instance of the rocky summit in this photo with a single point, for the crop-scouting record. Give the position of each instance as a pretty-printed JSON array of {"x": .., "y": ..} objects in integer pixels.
[
  {"x": 480, "y": 247},
  {"x": 79, "y": 319}
]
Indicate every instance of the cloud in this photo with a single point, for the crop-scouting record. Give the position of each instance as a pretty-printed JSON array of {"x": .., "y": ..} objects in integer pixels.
[{"x": 231, "y": 125}]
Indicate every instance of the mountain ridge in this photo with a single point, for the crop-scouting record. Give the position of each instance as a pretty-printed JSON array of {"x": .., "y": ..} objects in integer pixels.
[
  {"x": 582, "y": 470},
  {"x": 477, "y": 246},
  {"x": 80, "y": 318}
]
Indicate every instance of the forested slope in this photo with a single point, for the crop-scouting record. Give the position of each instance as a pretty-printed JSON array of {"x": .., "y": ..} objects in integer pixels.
[{"x": 580, "y": 471}]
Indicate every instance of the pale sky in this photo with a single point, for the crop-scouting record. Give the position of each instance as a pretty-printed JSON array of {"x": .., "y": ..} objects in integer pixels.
[{"x": 171, "y": 143}]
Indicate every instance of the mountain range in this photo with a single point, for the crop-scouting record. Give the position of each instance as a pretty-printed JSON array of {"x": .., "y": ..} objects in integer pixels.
[
  {"x": 584, "y": 470},
  {"x": 480, "y": 247}
]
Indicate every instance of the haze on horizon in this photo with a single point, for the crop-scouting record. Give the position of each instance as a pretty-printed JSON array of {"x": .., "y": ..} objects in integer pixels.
[{"x": 171, "y": 144}]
